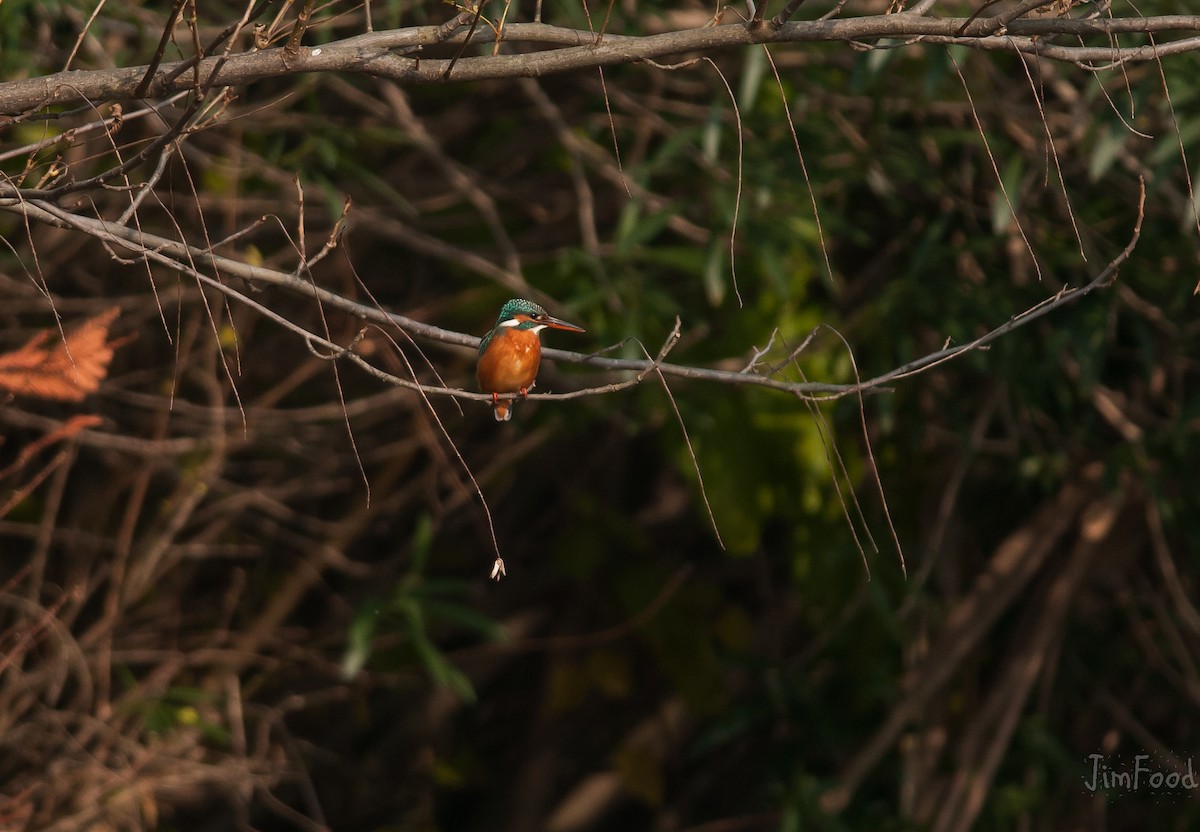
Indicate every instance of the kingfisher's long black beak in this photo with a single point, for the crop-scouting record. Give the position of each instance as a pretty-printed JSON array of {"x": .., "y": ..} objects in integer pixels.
[{"x": 558, "y": 323}]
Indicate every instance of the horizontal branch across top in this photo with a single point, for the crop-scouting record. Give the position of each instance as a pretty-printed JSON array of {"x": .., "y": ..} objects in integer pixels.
[{"x": 392, "y": 55}]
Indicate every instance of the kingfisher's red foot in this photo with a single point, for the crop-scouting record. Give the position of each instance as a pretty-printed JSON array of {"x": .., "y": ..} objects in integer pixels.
[
  {"x": 524, "y": 392},
  {"x": 495, "y": 398}
]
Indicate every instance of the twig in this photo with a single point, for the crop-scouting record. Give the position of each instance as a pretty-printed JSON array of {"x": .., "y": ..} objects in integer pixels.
[
  {"x": 812, "y": 193},
  {"x": 227, "y": 33},
  {"x": 993, "y": 25},
  {"x": 475, "y": 14},
  {"x": 987, "y": 148},
  {"x": 712, "y": 518},
  {"x": 460, "y": 176},
  {"x": 866, "y": 436},
  {"x": 737, "y": 199},
  {"x": 120, "y": 170},
  {"x": 168, "y": 31},
  {"x": 1062, "y": 298},
  {"x": 106, "y": 123},
  {"x": 834, "y": 12},
  {"x": 148, "y": 186},
  {"x": 292, "y": 48}
]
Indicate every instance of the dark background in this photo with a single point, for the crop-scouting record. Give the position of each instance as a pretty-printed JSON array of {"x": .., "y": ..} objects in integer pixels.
[{"x": 256, "y": 595}]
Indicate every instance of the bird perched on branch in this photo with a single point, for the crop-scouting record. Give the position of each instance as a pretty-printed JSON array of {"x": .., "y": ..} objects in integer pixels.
[{"x": 509, "y": 355}]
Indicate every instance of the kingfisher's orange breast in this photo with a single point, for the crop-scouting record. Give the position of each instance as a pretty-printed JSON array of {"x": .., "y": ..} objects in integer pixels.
[{"x": 510, "y": 363}]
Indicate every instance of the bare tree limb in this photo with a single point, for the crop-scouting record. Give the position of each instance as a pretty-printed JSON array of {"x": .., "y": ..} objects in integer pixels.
[
  {"x": 379, "y": 53},
  {"x": 189, "y": 259}
]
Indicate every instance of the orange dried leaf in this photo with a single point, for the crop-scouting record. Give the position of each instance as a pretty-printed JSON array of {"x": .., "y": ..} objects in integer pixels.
[{"x": 66, "y": 371}]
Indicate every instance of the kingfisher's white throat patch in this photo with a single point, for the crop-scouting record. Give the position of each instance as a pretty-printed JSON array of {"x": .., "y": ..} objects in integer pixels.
[{"x": 517, "y": 322}]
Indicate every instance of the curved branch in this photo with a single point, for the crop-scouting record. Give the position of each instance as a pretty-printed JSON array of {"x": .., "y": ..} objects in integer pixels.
[
  {"x": 179, "y": 255},
  {"x": 153, "y": 245},
  {"x": 380, "y": 53}
]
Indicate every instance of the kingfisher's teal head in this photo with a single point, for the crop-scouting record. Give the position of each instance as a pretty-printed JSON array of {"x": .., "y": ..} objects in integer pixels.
[{"x": 509, "y": 355}]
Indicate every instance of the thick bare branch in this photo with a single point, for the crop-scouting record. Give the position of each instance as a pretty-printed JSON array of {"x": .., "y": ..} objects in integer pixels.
[{"x": 384, "y": 53}]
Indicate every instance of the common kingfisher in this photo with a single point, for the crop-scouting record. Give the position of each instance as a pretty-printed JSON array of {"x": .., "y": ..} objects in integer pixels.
[{"x": 509, "y": 355}]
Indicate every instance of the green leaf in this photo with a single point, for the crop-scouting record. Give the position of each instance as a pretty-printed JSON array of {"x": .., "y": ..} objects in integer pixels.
[
  {"x": 1108, "y": 146},
  {"x": 358, "y": 647},
  {"x": 754, "y": 67},
  {"x": 1006, "y": 201},
  {"x": 715, "y": 284}
]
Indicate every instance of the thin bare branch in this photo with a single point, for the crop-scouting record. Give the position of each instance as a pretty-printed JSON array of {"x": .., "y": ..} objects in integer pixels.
[{"x": 164, "y": 250}]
